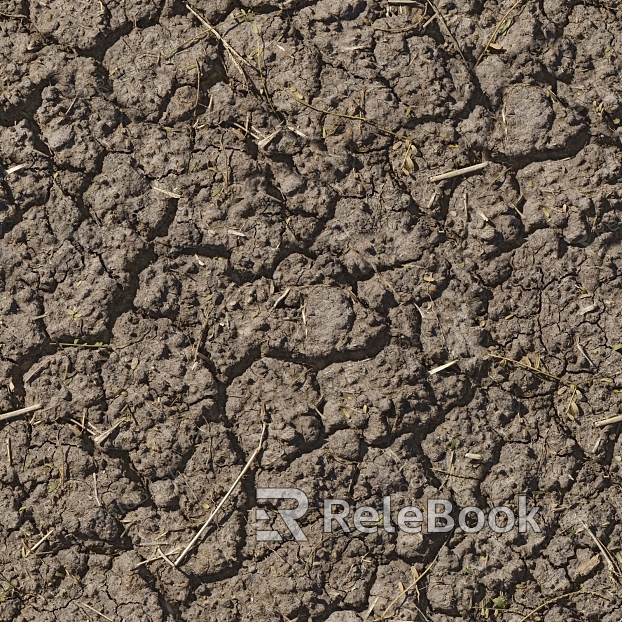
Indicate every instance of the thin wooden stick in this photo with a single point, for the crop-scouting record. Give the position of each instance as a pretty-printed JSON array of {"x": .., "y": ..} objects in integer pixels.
[{"x": 224, "y": 499}]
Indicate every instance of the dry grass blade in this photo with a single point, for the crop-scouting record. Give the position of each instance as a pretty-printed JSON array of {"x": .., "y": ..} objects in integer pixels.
[
  {"x": 586, "y": 356},
  {"x": 180, "y": 47},
  {"x": 495, "y": 32},
  {"x": 531, "y": 368},
  {"x": 612, "y": 563},
  {"x": 572, "y": 410},
  {"x": 223, "y": 500},
  {"x": 264, "y": 142},
  {"x": 220, "y": 38},
  {"x": 235, "y": 56},
  {"x": 417, "y": 579},
  {"x": 557, "y": 598},
  {"x": 99, "y": 613},
  {"x": 33, "y": 548},
  {"x": 446, "y": 27},
  {"x": 342, "y": 115}
]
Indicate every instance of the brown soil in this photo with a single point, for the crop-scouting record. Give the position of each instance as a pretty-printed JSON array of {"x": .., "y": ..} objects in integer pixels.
[{"x": 210, "y": 233}]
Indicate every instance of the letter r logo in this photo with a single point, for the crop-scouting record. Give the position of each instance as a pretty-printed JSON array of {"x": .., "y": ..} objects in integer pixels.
[{"x": 290, "y": 517}]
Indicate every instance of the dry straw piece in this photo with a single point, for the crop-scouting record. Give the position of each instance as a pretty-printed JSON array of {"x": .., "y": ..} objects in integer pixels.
[
  {"x": 442, "y": 367},
  {"x": 21, "y": 411},
  {"x": 610, "y": 421},
  {"x": 222, "y": 502},
  {"x": 460, "y": 171}
]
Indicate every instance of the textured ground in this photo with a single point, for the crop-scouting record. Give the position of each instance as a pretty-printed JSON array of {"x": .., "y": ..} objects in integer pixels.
[{"x": 202, "y": 236}]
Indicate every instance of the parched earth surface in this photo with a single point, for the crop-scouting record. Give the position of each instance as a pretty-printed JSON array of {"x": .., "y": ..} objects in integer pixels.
[{"x": 219, "y": 216}]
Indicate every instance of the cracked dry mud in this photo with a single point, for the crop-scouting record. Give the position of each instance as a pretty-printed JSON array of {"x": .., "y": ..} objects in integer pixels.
[{"x": 207, "y": 233}]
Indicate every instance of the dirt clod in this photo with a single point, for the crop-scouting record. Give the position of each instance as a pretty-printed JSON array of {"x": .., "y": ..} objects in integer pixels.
[{"x": 222, "y": 220}]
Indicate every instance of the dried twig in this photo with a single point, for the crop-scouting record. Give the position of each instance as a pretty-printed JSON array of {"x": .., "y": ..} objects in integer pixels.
[
  {"x": 166, "y": 558},
  {"x": 495, "y": 32},
  {"x": 473, "y": 456},
  {"x": 235, "y": 56},
  {"x": 198, "y": 97},
  {"x": 446, "y": 27},
  {"x": 99, "y": 503},
  {"x": 158, "y": 557},
  {"x": 416, "y": 580},
  {"x": 13, "y": 15},
  {"x": 282, "y": 297},
  {"x": 224, "y": 499},
  {"x": 203, "y": 335},
  {"x": 612, "y": 564},
  {"x": 341, "y": 115}
]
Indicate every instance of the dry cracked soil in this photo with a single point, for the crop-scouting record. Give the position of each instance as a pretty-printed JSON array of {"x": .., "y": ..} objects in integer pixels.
[{"x": 223, "y": 215}]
